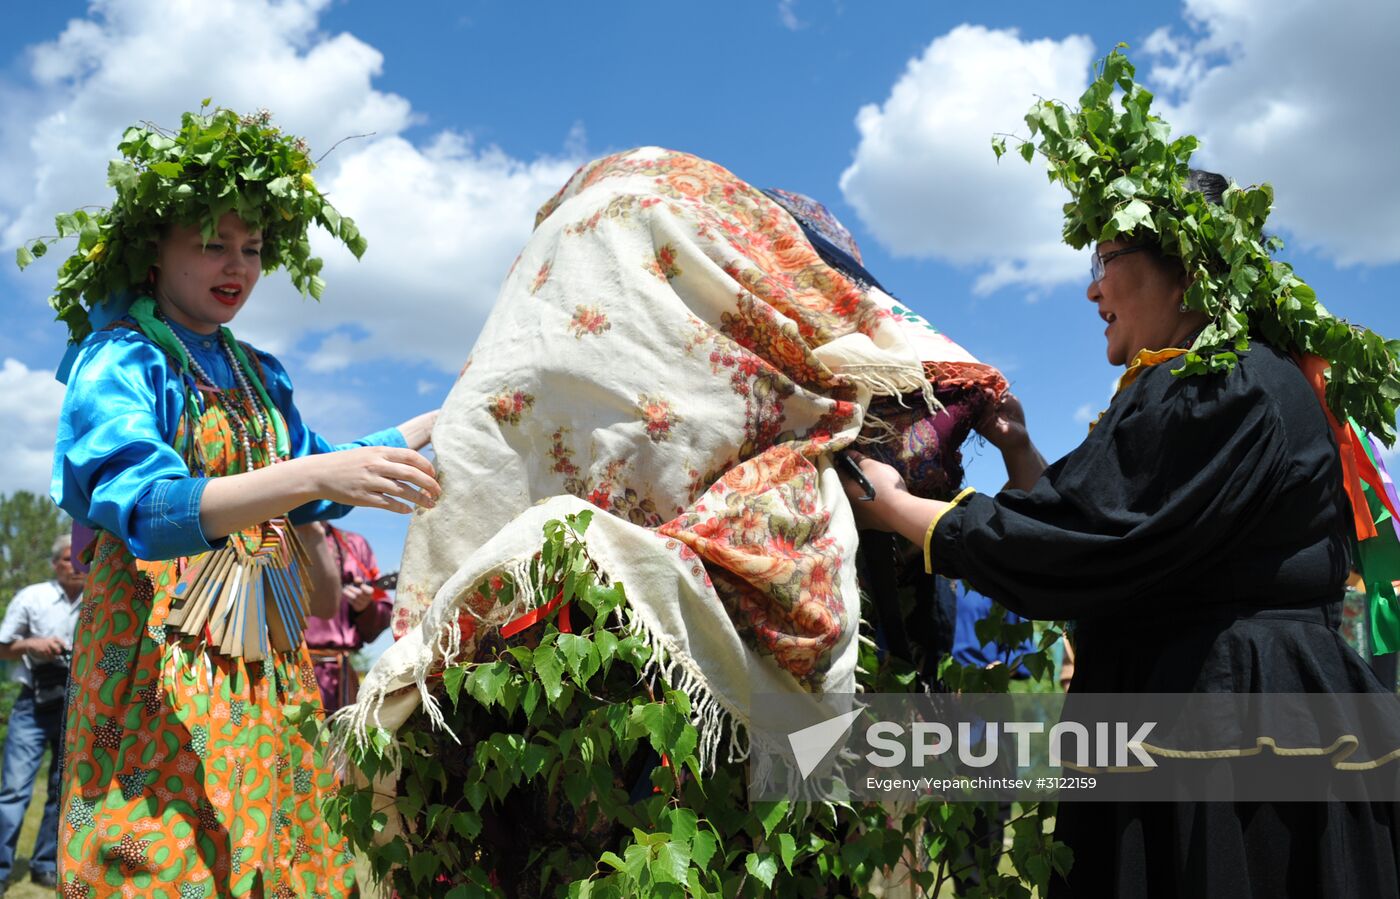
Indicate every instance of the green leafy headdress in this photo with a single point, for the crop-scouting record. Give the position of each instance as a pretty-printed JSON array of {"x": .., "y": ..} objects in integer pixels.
[
  {"x": 1127, "y": 177},
  {"x": 218, "y": 162}
]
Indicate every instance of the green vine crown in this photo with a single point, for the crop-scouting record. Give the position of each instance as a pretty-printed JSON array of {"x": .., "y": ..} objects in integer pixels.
[
  {"x": 218, "y": 162},
  {"x": 1126, "y": 177}
]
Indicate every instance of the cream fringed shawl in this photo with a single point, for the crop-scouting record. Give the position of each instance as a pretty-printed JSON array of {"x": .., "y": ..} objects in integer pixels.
[{"x": 670, "y": 350}]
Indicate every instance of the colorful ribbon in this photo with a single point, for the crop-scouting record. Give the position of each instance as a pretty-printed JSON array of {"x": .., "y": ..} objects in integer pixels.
[{"x": 1374, "y": 501}]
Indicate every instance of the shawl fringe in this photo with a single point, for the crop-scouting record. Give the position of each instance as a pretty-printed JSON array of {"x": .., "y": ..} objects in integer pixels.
[{"x": 355, "y": 725}]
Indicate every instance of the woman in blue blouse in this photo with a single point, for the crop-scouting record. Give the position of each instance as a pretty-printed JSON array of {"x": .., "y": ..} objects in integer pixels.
[
  {"x": 116, "y": 465},
  {"x": 184, "y": 775}
]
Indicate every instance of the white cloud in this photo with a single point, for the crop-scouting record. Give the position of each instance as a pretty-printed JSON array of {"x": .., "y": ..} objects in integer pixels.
[
  {"x": 444, "y": 219},
  {"x": 787, "y": 14},
  {"x": 336, "y": 351},
  {"x": 1298, "y": 94},
  {"x": 149, "y": 60},
  {"x": 924, "y": 179},
  {"x": 337, "y": 413},
  {"x": 444, "y": 223},
  {"x": 30, "y": 401},
  {"x": 1089, "y": 412}
]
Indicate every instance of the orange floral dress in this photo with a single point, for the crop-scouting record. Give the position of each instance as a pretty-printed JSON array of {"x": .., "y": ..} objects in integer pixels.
[{"x": 185, "y": 775}]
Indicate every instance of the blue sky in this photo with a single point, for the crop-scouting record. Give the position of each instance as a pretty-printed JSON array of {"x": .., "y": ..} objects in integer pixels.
[{"x": 883, "y": 110}]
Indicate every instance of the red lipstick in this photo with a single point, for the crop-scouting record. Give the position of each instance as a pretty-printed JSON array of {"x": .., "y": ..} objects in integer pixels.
[{"x": 228, "y": 294}]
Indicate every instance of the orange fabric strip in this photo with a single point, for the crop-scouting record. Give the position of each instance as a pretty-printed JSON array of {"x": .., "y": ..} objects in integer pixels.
[
  {"x": 1368, "y": 471},
  {"x": 1144, "y": 360},
  {"x": 1315, "y": 369}
]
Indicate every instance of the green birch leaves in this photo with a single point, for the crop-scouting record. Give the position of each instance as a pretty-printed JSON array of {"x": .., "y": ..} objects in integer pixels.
[
  {"x": 1127, "y": 176},
  {"x": 217, "y": 162}
]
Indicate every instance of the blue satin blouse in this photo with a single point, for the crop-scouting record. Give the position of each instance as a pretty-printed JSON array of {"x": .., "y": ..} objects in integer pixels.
[{"x": 115, "y": 466}]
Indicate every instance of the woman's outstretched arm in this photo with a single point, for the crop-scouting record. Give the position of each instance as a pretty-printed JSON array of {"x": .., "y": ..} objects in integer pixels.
[{"x": 377, "y": 477}]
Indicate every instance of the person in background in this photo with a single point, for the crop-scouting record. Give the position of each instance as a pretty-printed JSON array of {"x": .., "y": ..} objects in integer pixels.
[
  {"x": 362, "y": 616},
  {"x": 968, "y": 650},
  {"x": 1066, "y": 663},
  {"x": 38, "y": 632}
]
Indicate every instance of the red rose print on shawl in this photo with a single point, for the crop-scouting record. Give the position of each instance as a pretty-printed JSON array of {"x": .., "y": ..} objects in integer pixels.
[
  {"x": 588, "y": 320},
  {"x": 761, "y": 531}
]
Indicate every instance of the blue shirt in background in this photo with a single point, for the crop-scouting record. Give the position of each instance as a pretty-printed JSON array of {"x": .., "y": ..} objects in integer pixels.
[{"x": 967, "y": 649}]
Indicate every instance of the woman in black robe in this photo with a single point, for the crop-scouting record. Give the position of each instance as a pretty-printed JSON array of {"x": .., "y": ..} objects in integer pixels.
[{"x": 1199, "y": 540}]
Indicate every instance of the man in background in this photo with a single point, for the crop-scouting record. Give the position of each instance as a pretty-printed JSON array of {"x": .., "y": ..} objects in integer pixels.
[
  {"x": 363, "y": 615},
  {"x": 37, "y": 631}
]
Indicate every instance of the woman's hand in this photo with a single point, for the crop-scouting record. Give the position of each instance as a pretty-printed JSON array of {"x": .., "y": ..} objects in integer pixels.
[
  {"x": 894, "y": 508},
  {"x": 884, "y": 479},
  {"x": 377, "y": 477},
  {"x": 418, "y": 431},
  {"x": 1004, "y": 426}
]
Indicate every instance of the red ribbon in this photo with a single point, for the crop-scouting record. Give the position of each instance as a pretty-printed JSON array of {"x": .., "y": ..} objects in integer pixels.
[
  {"x": 665, "y": 763},
  {"x": 511, "y": 628}
]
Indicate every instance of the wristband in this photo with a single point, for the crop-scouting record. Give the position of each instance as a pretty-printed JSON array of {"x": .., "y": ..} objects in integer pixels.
[{"x": 928, "y": 535}]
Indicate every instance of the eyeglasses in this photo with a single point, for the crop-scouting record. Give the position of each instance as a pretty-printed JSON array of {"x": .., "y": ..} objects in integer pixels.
[{"x": 1097, "y": 262}]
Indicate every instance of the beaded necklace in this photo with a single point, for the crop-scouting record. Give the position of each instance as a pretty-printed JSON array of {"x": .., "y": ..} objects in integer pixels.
[
  {"x": 245, "y": 390},
  {"x": 148, "y": 319},
  {"x": 250, "y": 597}
]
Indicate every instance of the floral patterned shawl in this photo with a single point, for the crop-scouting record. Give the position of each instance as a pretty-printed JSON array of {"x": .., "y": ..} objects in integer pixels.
[{"x": 669, "y": 349}]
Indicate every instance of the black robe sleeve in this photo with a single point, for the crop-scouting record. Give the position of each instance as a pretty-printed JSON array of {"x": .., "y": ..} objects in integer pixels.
[{"x": 1147, "y": 513}]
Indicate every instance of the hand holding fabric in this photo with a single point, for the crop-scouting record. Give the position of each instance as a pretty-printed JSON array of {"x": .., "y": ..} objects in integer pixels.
[
  {"x": 1004, "y": 427},
  {"x": 894, "y": 508},
  {"x": 1004, "y": 424},
  {"x": 377, "y": 477}
]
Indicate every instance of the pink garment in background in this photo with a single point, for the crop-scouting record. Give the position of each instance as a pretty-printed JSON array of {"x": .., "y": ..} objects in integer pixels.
[
  {"x": 348, "y": 630},
  {"x": 82, "y": 537}
]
